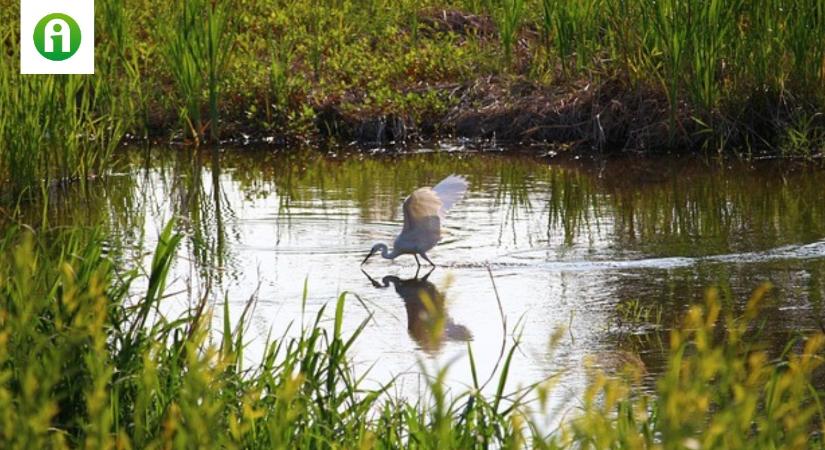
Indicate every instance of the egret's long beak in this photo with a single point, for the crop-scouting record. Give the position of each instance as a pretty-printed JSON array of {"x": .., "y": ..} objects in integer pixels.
[{"x": 368, "y": 257}]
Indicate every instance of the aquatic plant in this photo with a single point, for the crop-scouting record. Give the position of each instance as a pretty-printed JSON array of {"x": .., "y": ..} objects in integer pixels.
[
  {"x": 197, "y": 39},
  {"x": 51, "y": 130}
]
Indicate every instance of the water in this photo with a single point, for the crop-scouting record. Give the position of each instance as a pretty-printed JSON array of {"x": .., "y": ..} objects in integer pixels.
[{"x": 601, "y": 258}]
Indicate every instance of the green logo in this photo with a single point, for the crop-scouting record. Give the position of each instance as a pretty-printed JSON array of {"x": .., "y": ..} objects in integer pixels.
[{"x": 57, "y": 37}]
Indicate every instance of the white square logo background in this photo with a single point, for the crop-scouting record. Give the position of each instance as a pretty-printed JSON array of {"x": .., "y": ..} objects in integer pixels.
[{"x": 82, "y": 11}]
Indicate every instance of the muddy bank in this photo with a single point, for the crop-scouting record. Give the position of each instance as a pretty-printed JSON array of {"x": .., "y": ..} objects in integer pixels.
[
  {"x": 605, "y": 116},
  {"x": 581, "y": 115},
  {"x": 608, "y": 116}
]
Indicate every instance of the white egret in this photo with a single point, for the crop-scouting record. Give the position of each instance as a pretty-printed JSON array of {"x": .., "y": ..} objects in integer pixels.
[{"x": 423, "y": 211}]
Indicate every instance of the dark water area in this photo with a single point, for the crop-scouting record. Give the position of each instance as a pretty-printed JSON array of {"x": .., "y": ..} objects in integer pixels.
[{"x": 585, "y": 263}]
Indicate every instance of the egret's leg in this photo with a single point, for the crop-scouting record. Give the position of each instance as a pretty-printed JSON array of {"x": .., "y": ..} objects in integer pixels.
[
  {"x": 424, "y": 255},
  {"x": 417, "y": 261}
]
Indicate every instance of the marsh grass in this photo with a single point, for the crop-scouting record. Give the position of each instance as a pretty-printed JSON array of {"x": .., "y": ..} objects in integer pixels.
[
  {"x": 572, "y": 32},
  {"x": 509, "y": 21},
  {"x": 83, "y": 364},
  {"x": 729, "y": 72},
  {"x": 61, "y": 128},
  {"x": 197, "y": 39},
  {"x": 50, "y": 131}
]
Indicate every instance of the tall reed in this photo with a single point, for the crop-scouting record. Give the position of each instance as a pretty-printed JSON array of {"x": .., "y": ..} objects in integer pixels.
[
  {"x": 574, "y": 28},
  {"x": 54, "y": 128},
  {"x": 50, "y": 129},
  {"x": 509, "y": 24},
  {"x": 711, "y": 59},
  {"x": 197, "y": 40}
]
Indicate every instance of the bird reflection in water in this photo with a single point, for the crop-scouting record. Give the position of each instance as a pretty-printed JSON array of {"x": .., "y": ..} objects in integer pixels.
[{"x": 427, "y": 320}]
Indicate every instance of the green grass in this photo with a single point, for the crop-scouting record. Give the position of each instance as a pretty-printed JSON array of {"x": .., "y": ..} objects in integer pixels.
[
  {"x": 61, "y": 128},
  {"x": 84, "y": 365},
  {"x": 738, "y": 74},
  {"x": 197, "y": 37},
  {"x": 509, "y": 24}
]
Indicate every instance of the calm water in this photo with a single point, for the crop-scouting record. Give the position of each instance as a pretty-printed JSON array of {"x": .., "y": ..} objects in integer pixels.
[{"x": 612, "y": 253}]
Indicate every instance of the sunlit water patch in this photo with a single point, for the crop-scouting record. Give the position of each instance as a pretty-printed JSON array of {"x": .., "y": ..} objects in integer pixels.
[{"x": 611, "y": 253}]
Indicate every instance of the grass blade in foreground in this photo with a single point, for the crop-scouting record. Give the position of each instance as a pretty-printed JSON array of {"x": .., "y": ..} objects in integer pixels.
[{"x": 70, "y": 376}]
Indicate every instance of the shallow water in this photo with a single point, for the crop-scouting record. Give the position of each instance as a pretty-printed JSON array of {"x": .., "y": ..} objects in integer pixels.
[{"x": 610, "y": 252}]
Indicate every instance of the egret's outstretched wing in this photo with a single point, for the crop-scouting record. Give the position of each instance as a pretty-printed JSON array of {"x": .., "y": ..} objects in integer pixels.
[
  {"x": 423, "y": 202},
  {"x": 422, "y": 222},
  {"x": 423, "y": 211},
  {"x": 450, "y": 190}
]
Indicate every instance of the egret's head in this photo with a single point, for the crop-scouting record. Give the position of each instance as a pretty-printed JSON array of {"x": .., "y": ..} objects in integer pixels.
[{"x": 375, "y": 248}]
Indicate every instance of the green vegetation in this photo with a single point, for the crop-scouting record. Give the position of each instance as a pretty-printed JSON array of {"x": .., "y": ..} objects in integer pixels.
[
  {"x": 195, "y": 45},
  {"x": 637, "y": 74},
  {"x": 85, "y": 361},
  {"x": 82, "y": 364},
  {"x": 58, "y": 129}
]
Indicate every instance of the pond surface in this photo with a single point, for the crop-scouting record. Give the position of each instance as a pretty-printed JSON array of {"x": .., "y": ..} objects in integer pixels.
[{"x": 610, "y": 252}]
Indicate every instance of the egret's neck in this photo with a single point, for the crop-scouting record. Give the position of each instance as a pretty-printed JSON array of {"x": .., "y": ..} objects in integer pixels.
[{"x": 387, "y": 254}]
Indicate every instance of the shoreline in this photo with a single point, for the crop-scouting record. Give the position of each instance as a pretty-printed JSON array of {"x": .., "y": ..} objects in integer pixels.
[
  {"x": 447, "y": 74},
  {"x": 610, "y": 117}
]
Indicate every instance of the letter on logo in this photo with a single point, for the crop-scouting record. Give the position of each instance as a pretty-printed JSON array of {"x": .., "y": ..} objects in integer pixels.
[{"x": 54, "y": 28}]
